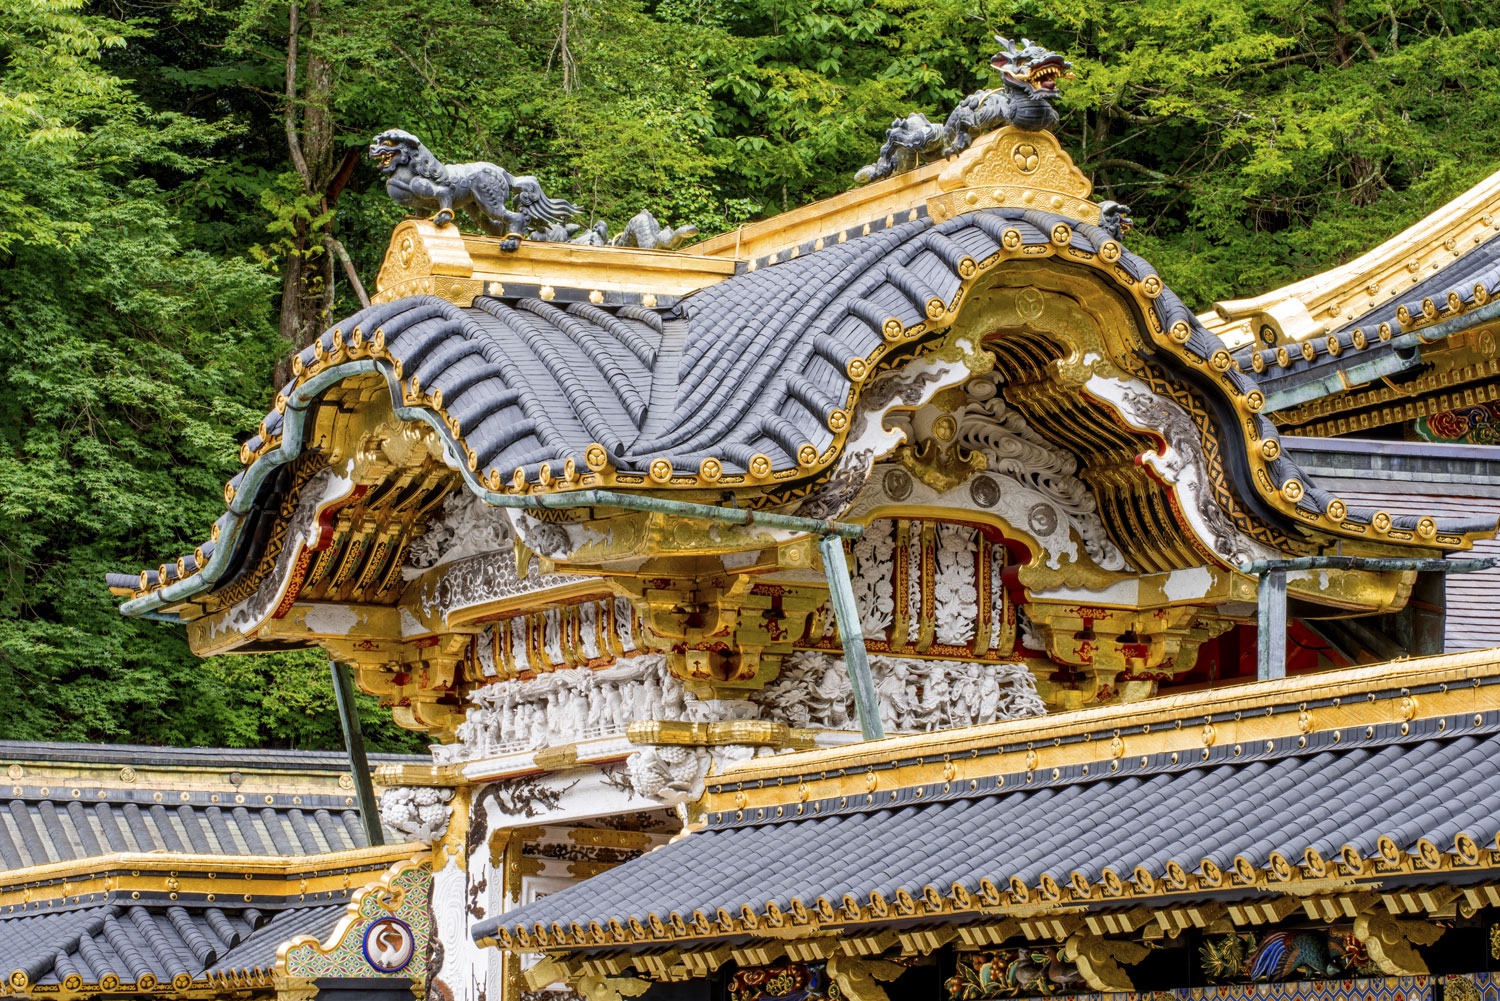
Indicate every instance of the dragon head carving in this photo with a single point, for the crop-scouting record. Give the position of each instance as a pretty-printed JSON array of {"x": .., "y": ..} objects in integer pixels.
[
  {"x": 396, "y": 148},
  {"x": 1030, "y": 69}
]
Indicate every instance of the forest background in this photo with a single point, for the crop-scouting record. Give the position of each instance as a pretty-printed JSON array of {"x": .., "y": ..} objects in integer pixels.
[{"x": 182, "y": 199}]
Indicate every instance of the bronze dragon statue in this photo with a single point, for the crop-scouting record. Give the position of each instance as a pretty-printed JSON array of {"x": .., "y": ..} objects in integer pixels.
[
  {"x": 1028, "y": 76},
  {"x": 416, "y": 179}
]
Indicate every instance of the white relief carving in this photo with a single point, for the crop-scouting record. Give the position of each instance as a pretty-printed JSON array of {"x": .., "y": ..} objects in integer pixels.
[
  {"x": 419, "y": 813},
  {"x": 813, "y": 690},
  {"x": 464, "y": 526},
  {"x": 588, "y": 624},
  {"x": 913, "y": 556},
  {"x": 669, "y": 774},
  {"x": 869, "y": 436},
  {"x": 488, "y": 577},
  {"x": 552, "y": 634},
  {"x": 561, "y": 707},
  {"x": 955, "y": 587},
  {"x": 542, "y": 537},
  {"x": 1181, "y": 465},
  {"x": 873, "y": 555},
  {"x": 1011, "y": 449},
  {"x": 475, "y": 544},
  {"x": 518, "y": 650},
  {"x": 954, "y": 593},
  {"x": 674, "y": 774},
  {"x": 997, "y": 594},
  {"x": 625, "y": 623},
  {"x": 484, "y": 653},
  {"x": 719, "y": 710},
  {"x": 592, "y": 622},
  {"x": 1031, "y": 639}
]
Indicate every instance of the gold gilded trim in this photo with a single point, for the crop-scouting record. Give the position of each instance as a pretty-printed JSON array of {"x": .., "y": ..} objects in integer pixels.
[
  {"x": 235, "y": 876},
  {"x": 1256, "y": 711}
]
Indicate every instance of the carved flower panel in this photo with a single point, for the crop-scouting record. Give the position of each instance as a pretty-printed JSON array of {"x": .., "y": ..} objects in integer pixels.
[{"x": 930, "y": 588}]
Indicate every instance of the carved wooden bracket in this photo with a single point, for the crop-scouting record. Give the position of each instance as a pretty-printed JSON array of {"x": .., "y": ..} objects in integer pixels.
[
  {"x": 1098, "y": 960},
  {"x": 1391, "y": 942},
  {"x": 858, "y": 979}
]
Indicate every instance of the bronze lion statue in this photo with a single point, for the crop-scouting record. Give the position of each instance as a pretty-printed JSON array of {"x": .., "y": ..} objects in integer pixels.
[{"x": 416, "y": 179}]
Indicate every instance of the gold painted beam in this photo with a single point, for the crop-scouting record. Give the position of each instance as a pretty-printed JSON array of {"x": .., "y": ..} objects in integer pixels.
[
  {"x": 828, "y": 218},
  {"x": 424, "y": 259},
  {"x": 1315, "y": 305},
  {"x": 238, "y": 877}
]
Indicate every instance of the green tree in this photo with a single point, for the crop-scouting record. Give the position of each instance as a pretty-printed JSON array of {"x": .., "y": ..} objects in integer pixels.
[
  {"x": 162, "y": 246},
  {"x": 132, "y": 361}
]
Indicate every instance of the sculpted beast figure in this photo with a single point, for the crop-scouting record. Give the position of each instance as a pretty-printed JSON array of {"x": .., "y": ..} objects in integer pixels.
[
  {"x": 1028, "y": 76},
  {"x": 416, "y": 179},
  {"x": 641, "y": 231}
]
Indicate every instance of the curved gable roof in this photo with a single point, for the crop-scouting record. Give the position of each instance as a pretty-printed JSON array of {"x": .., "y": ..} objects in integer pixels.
[{"x": 748, "y": 382}]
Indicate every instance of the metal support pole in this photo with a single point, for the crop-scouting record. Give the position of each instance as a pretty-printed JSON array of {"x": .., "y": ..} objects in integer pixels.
[
  {"x": 1429, "y": 613},
  {"x": 852, "y": 635},
  {"x": 354, "y": 743},
  {"x": 1271, "y": 594},
  {"x": 1270, "y": 637}
]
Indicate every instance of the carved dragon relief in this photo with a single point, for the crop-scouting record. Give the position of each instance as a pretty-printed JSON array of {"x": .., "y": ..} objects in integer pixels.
[{"x": 1180, "y": 465}]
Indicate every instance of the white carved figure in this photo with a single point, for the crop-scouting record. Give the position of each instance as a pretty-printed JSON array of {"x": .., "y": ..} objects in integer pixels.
[
  {"x": 669, "y": 774},
  {"x": 914, "y": 695},
  {"x": 894, "y": 692},
  {"x": 588, "y": 616},
  {"x": 832, "y": 698},
  {"x": 419, "y": 813},
  {"x": 560, "y": 707}
]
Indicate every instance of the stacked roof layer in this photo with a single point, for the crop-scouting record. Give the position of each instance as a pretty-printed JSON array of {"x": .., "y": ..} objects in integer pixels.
[
  {"x": 74, "y": 810},
  {"x": 1131, "y": 826}
]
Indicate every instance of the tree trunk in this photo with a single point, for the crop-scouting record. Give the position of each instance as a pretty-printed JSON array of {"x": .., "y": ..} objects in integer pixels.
[{"x": 307, "y": 287}]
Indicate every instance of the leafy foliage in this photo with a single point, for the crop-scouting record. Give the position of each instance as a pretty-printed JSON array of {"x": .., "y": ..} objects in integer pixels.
[{"x": 150, "y": 209}]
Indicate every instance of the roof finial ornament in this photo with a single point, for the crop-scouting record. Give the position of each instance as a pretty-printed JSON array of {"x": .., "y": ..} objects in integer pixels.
[
  {"x": 1114, "y": 219},
  {"x": 643, "y": 230},
  {"x": 416, "y": 179},
  {"x": 1028, "y": 76}
]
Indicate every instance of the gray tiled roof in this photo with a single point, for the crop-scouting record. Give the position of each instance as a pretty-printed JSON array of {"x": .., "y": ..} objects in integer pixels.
[
  {"x": 752, "y": 365},
  {"x": 1342, "y": 789},
  {"x": 258, "y": 951},
  {"x": 225, "y": 759},
  {"x": 36, "y": 829},
  {"x": 48, "y": 819},
  {"x": 174, "y": 945},
  {"x": 1448, "y": 291}
]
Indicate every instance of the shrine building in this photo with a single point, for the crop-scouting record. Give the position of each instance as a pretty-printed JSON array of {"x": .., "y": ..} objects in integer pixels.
[{"x": 906, "y": 596}]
